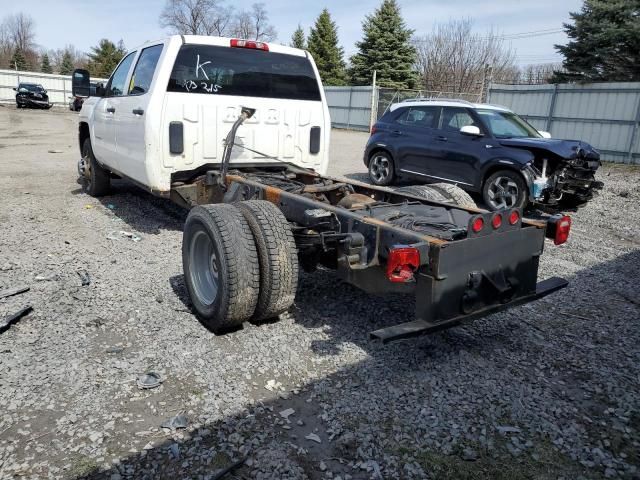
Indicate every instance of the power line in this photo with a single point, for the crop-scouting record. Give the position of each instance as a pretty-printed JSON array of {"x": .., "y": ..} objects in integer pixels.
[{"x": 511, "y": 36}]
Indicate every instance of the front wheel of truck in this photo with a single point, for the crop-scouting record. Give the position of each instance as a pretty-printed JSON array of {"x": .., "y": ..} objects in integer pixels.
[
  {"x": 220, "y": 264},
  {"x": 96, "y": 181}
]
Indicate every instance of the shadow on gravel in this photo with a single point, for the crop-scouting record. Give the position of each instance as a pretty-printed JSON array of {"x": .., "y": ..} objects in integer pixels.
[
  {"x": 441, "y": 372},
  {"x": 141, "y": 211}
]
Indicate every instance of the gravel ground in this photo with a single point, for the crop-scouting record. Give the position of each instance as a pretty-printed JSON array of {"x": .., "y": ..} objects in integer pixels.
[{"x": 546, "y": 390}]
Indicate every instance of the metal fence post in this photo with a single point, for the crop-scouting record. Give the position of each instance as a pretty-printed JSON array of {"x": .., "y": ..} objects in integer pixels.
[
  {"x": 634, "y": 132},
  {"x": 373, "y": 117},
  {"x": 552, "y": 107},
  {"x": 349, "y": 109}
]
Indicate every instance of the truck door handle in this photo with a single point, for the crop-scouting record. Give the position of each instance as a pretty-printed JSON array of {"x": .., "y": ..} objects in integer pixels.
[
  {"x": 138, "y": 111},
  {"x": 441, "y": 138},
  {"x": 111, "y": 109}
]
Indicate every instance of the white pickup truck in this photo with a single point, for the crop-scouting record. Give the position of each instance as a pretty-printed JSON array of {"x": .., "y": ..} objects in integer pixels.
[
  {"x": 238, "y": 132},
  {"x": 169, "y": 105}
]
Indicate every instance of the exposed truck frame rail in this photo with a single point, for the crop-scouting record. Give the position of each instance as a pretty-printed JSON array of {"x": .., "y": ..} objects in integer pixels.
[{"x": 458, "y": 263}]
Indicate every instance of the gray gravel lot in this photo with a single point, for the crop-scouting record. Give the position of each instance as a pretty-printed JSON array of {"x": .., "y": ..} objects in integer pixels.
[{"x": 546, "y": 390}]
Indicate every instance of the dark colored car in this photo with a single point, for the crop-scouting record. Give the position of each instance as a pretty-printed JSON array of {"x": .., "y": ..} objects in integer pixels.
[
  {"x": 31, "y": 95},
  {"x": 484, "y": 149},
  {"x": 76, "y": 102}
]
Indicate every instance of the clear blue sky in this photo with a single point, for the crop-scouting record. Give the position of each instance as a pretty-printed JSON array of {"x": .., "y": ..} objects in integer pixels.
[{"x": 84, "y": 22}]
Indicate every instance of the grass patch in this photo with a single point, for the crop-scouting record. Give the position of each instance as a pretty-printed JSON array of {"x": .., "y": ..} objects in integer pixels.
[{"x": 82, "y": 467}]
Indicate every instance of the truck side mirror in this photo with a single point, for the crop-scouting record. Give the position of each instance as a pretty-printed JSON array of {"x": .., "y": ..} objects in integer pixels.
[{"x": 80, "y": 83}]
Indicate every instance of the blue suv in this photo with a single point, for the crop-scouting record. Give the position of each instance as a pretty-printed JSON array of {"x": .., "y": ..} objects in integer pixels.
[{"x": 484, "y": 149}]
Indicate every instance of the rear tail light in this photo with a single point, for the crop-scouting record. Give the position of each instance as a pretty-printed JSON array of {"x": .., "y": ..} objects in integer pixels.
[
  {"x": 238, "y": 43},
  {"x": 477, "y": 224},
  {"x": 558, "y": 228},
  {"x": 514, "y": 216},
  {"x": 496, "y": 221},
  {"x": 402, "y": 264}
]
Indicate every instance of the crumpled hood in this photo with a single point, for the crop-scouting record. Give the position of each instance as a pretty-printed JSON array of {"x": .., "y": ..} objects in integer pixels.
[{"x": 568, "y": 149}]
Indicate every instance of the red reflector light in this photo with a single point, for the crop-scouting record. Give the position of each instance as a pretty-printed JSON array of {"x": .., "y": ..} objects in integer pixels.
[
  {"x": 402, "y": 263},
  {"x": 496, "y": 221},
  {"x": 373, "y": 130},
  {"x": 514, "y": 216},
  {"x": 238, "y": 43},
  {"x": 563, "y": 226},
  {"x": 477, "y": 225}
]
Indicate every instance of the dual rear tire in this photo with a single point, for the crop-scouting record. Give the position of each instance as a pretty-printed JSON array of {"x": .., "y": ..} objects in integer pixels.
[{"x": 240, "y": 263}]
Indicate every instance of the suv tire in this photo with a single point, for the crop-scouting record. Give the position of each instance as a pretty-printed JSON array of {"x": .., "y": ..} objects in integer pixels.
[
  {"x": 277, "y": 255},
  {"x": 220, "y": 265},
  {"x": 504, "y": 189},
  {"x": 381, "y": 169},
  {"x": 455, "y": 193},
  {"x": 97, "y": 180}
]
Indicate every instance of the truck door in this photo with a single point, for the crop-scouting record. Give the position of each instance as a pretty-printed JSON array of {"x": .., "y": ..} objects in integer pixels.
[
  {"x": 130, "y": 121},
  {"x": 105, "y": 113}
]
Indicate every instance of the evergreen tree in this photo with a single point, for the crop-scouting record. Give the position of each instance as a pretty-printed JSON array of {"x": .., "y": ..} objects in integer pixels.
[
  {"x": 18, "y": 61},
  {"x": 385, "y": 48},
  {"x": 328, "y": 55},
  {"x": 104, "y": 58},
  {"x": 45, "y": 67},
  {"x": 604, "y": 42},
  {"x": 66, "y": 66},
  {"x": 297, "y": 39}
]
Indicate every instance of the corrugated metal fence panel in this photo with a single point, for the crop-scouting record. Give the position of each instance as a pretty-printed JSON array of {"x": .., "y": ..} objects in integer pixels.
[
  {"x": 58, "y": 86},
  {"x": 606, "y": 115},
  {"x": 350, "y": 107}
]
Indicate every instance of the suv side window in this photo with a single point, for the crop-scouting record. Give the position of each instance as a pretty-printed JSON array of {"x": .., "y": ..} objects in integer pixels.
[
  {"x": 454, "y": 118},
  {"x": 424, "y": 117},
  {"x": 144, "y": 70},
  {"x": 117, "y": 84}
]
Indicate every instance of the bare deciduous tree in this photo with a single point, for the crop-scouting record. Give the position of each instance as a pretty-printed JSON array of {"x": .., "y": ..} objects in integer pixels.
[
  {"x": 454, "y": 59},
  {"x": 538, "y": 74},
  {"x": 254, "y": 24},
  {"x": 20, "y": 28},
  {"x": 197, "y": 17}
]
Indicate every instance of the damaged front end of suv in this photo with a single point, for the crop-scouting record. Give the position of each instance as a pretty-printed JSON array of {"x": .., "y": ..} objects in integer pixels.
[{"x": 562, "y": 173}]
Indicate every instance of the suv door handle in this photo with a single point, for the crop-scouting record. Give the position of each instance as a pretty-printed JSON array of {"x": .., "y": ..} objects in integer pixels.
[
  {"x": 441, "y": 138},
  {"x": 396, "y": 133},
  {"x": 111, "y": 109},
  {"x": 137, "y": 111}
]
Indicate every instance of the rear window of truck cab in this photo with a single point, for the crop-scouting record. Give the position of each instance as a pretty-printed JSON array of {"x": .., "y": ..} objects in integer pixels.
[{"x": 215, "y": 70}]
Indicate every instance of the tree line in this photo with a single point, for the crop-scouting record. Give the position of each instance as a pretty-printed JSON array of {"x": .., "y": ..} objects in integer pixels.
[{"x": 604, "y": 45}]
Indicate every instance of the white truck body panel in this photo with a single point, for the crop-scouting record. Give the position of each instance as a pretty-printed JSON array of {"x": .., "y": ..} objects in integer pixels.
[{"x": 137, "y": 145}]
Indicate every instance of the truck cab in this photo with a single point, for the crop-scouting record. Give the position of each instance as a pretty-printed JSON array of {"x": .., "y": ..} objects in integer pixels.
[{"x": 169, "y": 104}]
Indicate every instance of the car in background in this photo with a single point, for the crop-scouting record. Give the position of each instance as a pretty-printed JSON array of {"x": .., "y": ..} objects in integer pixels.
[
  {"x": 485, "y": 149},
  {"x": 31, "y": 95},
  {"x": 75, "y": 103}
]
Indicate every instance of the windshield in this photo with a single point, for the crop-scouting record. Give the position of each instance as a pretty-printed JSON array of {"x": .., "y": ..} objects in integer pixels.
[
  {"x": 215, "y": 70},
  {"x": 507, "y": 125},
  {"x": 32, "y": 87}
]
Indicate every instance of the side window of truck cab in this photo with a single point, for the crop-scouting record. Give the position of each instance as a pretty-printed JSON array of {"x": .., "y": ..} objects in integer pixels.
[{"x": 118, "y": 82}]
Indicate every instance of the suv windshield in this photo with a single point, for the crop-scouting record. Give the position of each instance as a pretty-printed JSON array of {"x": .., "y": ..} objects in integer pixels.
[
  {"x": 507, "y": 124},
  {"x": 243, "y": 72}
]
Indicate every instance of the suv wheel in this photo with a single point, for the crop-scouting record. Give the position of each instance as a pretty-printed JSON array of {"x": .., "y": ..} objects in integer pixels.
[
  {"x": 381, "y": 170},
  {"x": 504, "y": 189}
]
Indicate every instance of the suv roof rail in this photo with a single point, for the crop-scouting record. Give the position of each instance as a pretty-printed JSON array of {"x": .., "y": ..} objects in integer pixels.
[{"x": 436, "y": 99}]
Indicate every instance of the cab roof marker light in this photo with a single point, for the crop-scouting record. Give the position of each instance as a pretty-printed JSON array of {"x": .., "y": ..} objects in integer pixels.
[{"x": 239, "y": 43}]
